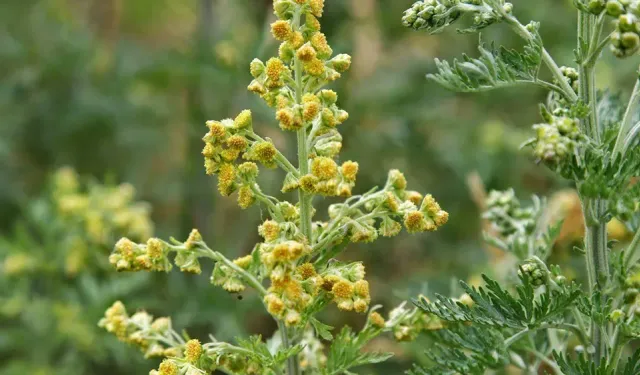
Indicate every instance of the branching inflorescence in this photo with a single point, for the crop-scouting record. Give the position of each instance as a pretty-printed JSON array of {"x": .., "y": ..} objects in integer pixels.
[{"x": 296, "y": 256}]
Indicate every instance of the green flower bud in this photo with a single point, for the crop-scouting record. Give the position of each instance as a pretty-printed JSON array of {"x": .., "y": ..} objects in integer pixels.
[
  {"x": 536, "y": 273},
  {"x": 596, "y": 6},
  {"x": 614, "y": 8}
]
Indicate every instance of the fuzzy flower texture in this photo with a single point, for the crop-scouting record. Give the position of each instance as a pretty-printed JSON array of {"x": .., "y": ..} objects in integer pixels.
[{"x": 293, "y": 269}]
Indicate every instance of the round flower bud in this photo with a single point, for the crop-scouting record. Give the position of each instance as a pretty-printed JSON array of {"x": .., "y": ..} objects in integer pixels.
[
  {"x": 256, "y": 68},
  {"x": 376, "y": 320},
  {"x": 396, "y": 180},
  {"x": 269, "y": 230},
  {"x": 281, "y": 30},
  {"x": 324, "y": 168},
  {"x": 415, "y": 221},
  {"x": 535, "y": 272},
  {"x": 341, "y": 62},
  {"x": 319, "y": 42},
  {"x": 243, "y": 120},
  {"x": 168, "y": 367},
  {"x": 193, "y": 350},
  {"x": 306, "y": 53},
  {"x": 317, "y": 7},
  {"x": 246, "y": 197},
  {"x": 614, "y": 8}
]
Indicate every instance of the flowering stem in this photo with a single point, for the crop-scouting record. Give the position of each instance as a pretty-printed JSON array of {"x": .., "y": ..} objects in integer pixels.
[{"x": 597, "y": 260}]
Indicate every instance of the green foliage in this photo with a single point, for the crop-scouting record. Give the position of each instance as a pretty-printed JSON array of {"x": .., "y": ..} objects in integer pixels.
[{"x": 495, "y": 68}]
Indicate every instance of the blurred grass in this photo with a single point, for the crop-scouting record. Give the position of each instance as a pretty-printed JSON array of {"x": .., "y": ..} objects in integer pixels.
[{"x": 121, "y": 90}]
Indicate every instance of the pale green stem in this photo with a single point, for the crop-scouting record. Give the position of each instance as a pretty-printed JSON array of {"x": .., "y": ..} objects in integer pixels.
[
  {"x": 248, "y": 278},
  {"x": 632, "y": 249},
  {"x": 281, "y": 160},
  {"x": 522, "y": 31},
  {"x": 597, "y": 260},
  {"x": 563, "y": 326},
  {"x": 627, "y": 122}
]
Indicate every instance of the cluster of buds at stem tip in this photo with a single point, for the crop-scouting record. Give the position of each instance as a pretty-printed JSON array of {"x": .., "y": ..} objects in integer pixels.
[
  {"x": 433, "y": 15},
  {"x": 535, "y": 272},
  {"x": 625, "y": 40},
  {"x": 557, "y": 140}
]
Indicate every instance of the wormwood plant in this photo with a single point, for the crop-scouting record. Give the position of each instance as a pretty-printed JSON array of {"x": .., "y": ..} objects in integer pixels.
[
  {"x": 542, "y": 321},
  {"x": 294, "y": 270}
]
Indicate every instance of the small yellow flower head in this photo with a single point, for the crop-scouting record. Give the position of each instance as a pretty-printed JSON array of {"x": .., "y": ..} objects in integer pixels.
[
  {"x": 361, "y": 288},
  {"x": 216, "y": 129},
  {"x": 275, "y": 68},
  {"x": 329, "y": 96},
  {"x": 317, "y": 7},
  {"x": 429, "y": 205},
  {"x": 243, "y": 120},
  {"x": 269, "y": 230},
  {"x": 324, "y": 168},
  {"x": 292, "y": 318},
  {"x": 265, "y": 152},
  {"x": 329, "y": 281},
  {"x": 441, "y": 218},
  {"x": 311, "y": 107},
  {"x": 244, "y": 262},
  {"x": 168, "y": 367},
  {"x": 314, "y": 67},
  {"x": 360, "y": 305},
  {"x": 413, "y": 197},
  {"x": 342, "y": 289},
  {"x": 376, "y": 320},
  {"x": 257, "y": 88},
  {"x": 194, "y": 237},
  {"x": 297, "y": 40},
  {"x": 312, "y": 22},
  {"x": 209, "y": 151},
  {"x": 306, "y": 271},
  {"x": 256, "y": 68},
  {"x": 126, "y": 247},
  {"x": 226, "y": 178},
  {"x": 319, "y": 42},
  {"x": 286, "y": 51},
  {"x": 308, "y": 183},
  {"x": 349, "y": 170},
  {"x": 155, "y": 249},
  {"x": 210, "y": 166},
  {"x": 328, "y": 118},
  {"x": 281, "y": 30},
  {"x": 397, "y": 179},
  {"x": 117, "y": 309},
  {"x": 275, "y": 306},
  {"x": 246, "y": 198},
  {"x": 341, "y": 63},
  {"x": 237, "y": 142},
  {"x": 248, "y": 170},
  {"x": 161, "y": 324},
  {"x": 391, "y": 202},
  {"x": 306, "y": 53},
  {"x": 287, "y": 119},
  {"x": 415, "y": 221},
  {"x": 193, "y": 350}
]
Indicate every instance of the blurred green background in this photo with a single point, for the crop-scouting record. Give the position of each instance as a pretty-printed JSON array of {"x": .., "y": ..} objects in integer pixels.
[{"x": 120, "y": 91}]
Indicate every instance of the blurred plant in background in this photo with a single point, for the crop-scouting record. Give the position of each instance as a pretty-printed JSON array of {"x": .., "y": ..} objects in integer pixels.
[
  {"x": 121, "y": 88},
  {"x": 54, "y": 276}
]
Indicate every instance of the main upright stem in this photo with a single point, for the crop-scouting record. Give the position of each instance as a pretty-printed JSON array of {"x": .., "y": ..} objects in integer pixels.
[{"x": 597, "y": 260}]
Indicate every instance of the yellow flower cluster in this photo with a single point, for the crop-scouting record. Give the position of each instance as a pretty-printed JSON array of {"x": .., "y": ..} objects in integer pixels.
[
  {"x": 130, "y": 256},
  {"x": 347, "y": 287},
  {"x": 141, "y": 330},
  {"x": 225, "y": 142}
]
